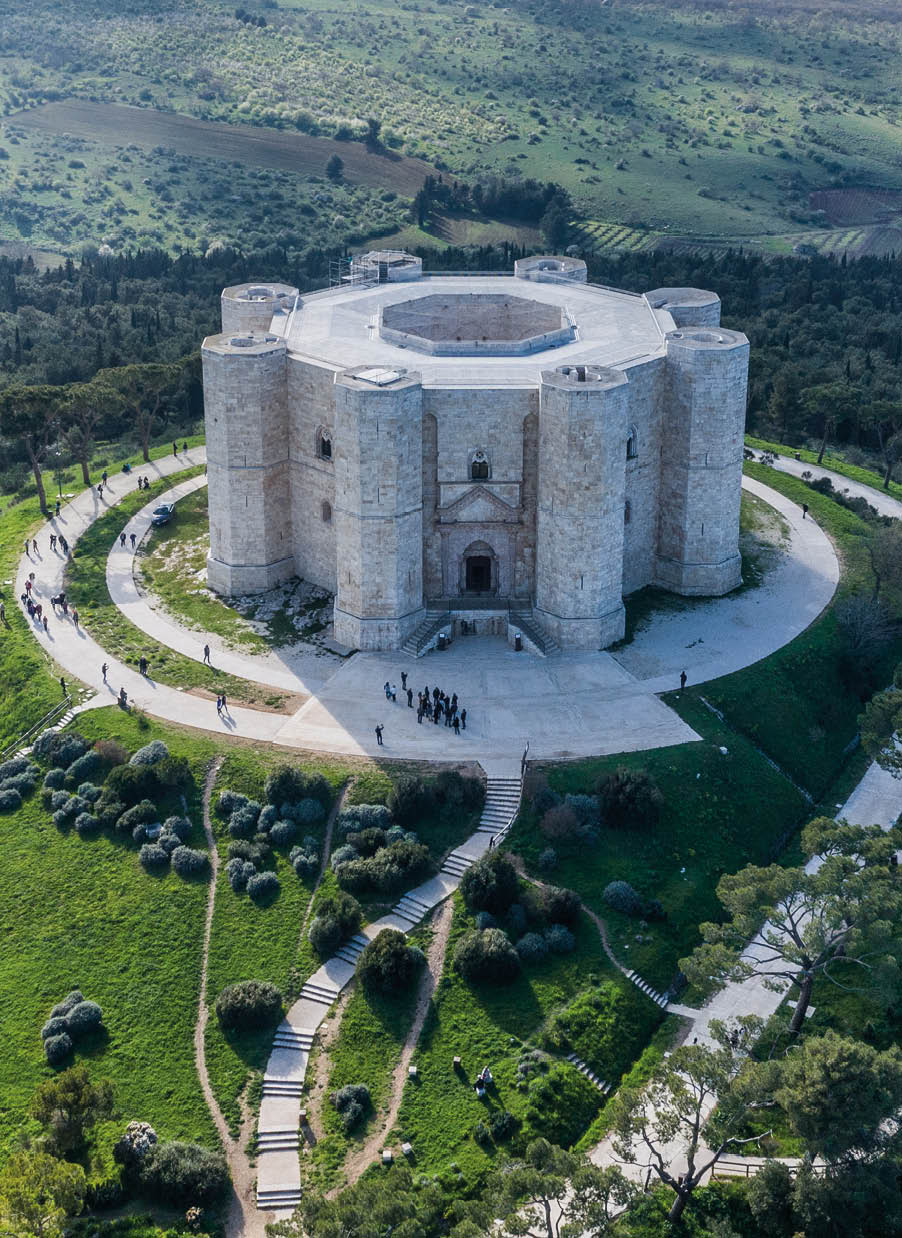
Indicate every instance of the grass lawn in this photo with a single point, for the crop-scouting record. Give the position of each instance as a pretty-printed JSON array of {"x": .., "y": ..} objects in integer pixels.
[
  {"x": 797, "y": 704},
  {"x": 172, "y": 564},
  {"x": 83, "y": 913},
  {"x": 251, "y": 941},
  {"x": 86, "y": 581},
  {"x": 28, "y": 677},
  {"x": 720, "y": 812},
  {"x": 492, "y": 1025},
  {"x": 866, "y": 477}
]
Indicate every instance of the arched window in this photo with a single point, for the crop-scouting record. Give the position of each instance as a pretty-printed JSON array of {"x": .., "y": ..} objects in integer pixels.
[
  {"x": 627, "y": 512},
  {"x": 324, "y": 443},
  {"x": 479, "y": 466},
  {"x": 326, "y": 511},
  {"x": 632, "y": 444}
]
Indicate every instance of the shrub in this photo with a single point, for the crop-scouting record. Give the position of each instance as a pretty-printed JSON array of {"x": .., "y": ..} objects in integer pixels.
[
  {"x": 263, "y": 886},
  {"x": 325, "y": 935},
  {"x": 69, "y": 1001},
  {"x": 490, "y": 884},
  {"x": 84, "y": 1017},
  {"x": 57, "y": 1048},
  {"x": 228, "y": 801},
  {"x": 481, "y": 1133},
  {"x": 90, "y": 791},
  {"x": 183, "y": 1174},
  {"x": 453, "y": 789},
  {"x": 169, "y": 843},
  {"x": 173, "y": 772},
  {"x": 352, "y": 1102},
  {"x": 244, "y": 849},
  {"x": 385, "y": 871},
  {"x": 367, "y": 842},
  {"x": 304, "y": 863},
  {"x": 388, "y": 964},
  {"x": 10, "y": 800},
  {"x": 143, "y": 813},
  {"x": 180, "y": 826},
  {"x": 87, "y": 824},
  {"x": 189, "y": 863},
  {"x": 108, "y": 811},
  {"x": 288, "y": 784},
  {"x": 53, "y": 779},
  {"x": 16, "y": 765},
  {"x": 411, "y": 800},
  {"x": 283, "y": 833},
  {"x": 532, "y": 947},
  {"x": 111, "y": 752},
  {"x": 502, "y": 1125},
  {"x": 24, "y": 783},
  {"x": 561, "y": 824},
  {"x": 269, "y": 815},
  {"x": 629, "y": 797},
  {"x": 343, "y": 855},
  {"x": 59, "y": 799},
  {"x": 132, "y": 783},
  {"x": 243, "y": 820},
  {"x": 515, "y": 920},
  {"x": 548, "y": 860},
  {"x": 152, "y": 855},
  {"x": 151, "y": 753},
  {"x": 139, "y": 833},
  {"x": 248, "y": 1004},
  {"x": 544, "y": 799},
  {"x": 60, "y": 748},
  {"x": 83, "y": 768},
  {"x": 561, "y": 906},
  {"x": 364, "y": 817},
  {"x": 585, "y": 807},
  {"x": 485, "y": 919},
  {"x": 560, "y": 939},
  {"x": 239, "y": 873},
  {"x": 622, "y": 897},
  {"x": 338, "y": 917},
  {"x": 561, "y": 1105},
  {"x": 305, "y": 812},
  {"x": 55, "y": 1026},
  {"x": 486, "y": 956}
]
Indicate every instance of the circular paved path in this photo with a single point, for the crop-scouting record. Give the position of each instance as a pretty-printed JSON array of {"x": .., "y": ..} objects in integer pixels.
[{"x": 571, "y": 704}]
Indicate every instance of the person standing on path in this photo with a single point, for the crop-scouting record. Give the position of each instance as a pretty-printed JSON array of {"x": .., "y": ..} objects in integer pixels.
[
  {"x": 103, "y": 671},
  {"x": 456, "y": 725},
  {"x": 175, "y": 449},
  {"x": 683, "y": 678},
  {"x": 410, "y": 698},
  {"x": 53, "y": 541},
  {"x": 46, "y": 628},
  {"x": 219, "y": 705},
  {"x": 386, "y": 688},
  {"x": 804, "y": 510},
  {"x": 224, "y": 707},
  {"x": 394, "y": 694},
  {"x": 207, "y": 655},
  {"x": 404, "y": 681},
  {"x": 379, "y": 729},
  {"x": 134, "y": 539},
  {"x": 142, "y": 664},
  {"x": 103, "y": 477},
  {"x": 75, "y": 615},
  {"x": 463, "y": 719},
  {"x": 184, "y": 447},
  {"x": 122, "y": 539},
  {"x": 57, "y": 507}
]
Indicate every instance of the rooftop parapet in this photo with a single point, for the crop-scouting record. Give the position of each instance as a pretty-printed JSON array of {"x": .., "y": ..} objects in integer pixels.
[{"x": 548, "y": 268}]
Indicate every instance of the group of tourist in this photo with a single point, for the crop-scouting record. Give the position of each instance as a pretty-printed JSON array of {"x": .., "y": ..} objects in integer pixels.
[{"x": 436, "y": 706}]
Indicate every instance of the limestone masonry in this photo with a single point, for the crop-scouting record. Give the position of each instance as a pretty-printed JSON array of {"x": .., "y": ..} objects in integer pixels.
[{"x": 474, "y": 452}]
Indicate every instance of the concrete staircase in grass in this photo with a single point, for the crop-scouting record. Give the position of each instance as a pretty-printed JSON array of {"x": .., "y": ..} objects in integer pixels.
[
  {"x": 646, "y": 988},
  {"x": 278, "y": 1126},
  {"x": 590, "y": 1074}
]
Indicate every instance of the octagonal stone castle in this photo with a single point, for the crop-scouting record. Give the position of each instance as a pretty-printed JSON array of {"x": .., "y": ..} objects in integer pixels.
[{"x": 480, "y": 452}]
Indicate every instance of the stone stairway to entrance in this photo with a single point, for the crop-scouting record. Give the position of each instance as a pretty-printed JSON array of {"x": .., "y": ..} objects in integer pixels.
[
  {"x": 419, "y": 640},
  {"x": 531, "y": 627}
]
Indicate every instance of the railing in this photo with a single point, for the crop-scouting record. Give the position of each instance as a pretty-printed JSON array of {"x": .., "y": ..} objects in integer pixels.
[{"x": 39, "y": 726}]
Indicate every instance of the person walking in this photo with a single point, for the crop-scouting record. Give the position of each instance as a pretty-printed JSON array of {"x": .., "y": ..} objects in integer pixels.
[
  {"x": 410, "y": 698},
  {"x": 379, "y": 730},
  {"x": 57, "y": 507},
  {"x": 683, "y": 678},
  {"x": 53, "y": 541},
  {"x": 184, "y": 447},
  {"x": 103, "y": 477},
  {"x": 394, "y": 694},
  {"x": 103, "y": 671},
  {"x": 142, "y": 664},
  {"x": 804, "y": 510},
  {"x": 46, "y": 628},
  {"x": 386, "y": 688},
  {"x": 122, "y": 539},
  {"x": 456, "y": 725},
  {"x": 463, "y": 719},
  {"x": 100, "y": 489},
  {"x": 75, "y": 615},
  {"x": 63, "y": 686},
  {"x": 404, "y": 681},
  {"x": 34, "y": 545},
  {"x": 28, "y": 586},
  {"x": 219, "y": 705},
  {"x": 207, "y": 655},
  {"x": 224, "y": 706},
  {"x": 134, "y": 539},
  {"x": 175, "y": 449},
  {"x": 65, "y": 606}
]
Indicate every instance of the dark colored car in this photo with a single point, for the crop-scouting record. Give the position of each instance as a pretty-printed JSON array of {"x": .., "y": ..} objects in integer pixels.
[{"x": 163, "y": 514}]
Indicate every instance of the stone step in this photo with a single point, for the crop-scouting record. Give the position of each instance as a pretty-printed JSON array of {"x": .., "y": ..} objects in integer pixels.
[
  {"x": 359, "y": 940},
  {"x": 420, "y": 902},
  {"x": 452, "y": 865},
  {"x": 282, "y": 1087},
  {"x": 295, "y": 1039},
  {"x": 347, "y": 956},
  {"x": 314, "y": 993},
  {"x": 414, "y": 907},
  {"x": 267, "y": 1200},
  {"x": 278, "y": 1143},
  {"x": 407, "y": 916}
]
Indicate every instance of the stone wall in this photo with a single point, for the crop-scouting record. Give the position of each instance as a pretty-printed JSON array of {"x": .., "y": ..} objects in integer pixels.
[{"x": 309, "y": 392}]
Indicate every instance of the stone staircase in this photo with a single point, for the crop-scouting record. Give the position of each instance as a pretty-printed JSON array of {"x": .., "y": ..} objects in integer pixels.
[
  {"x": 646, "y": 988},
  {"x": 502, "y": 803},
  {"x": 531, "y": 627},
  {"x": 603, "y": 1086},
  {"x": 418, "y": 641}
]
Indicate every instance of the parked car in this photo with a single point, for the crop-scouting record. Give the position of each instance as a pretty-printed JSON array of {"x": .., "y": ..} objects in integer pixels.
[{"x": 163, "y": 514}]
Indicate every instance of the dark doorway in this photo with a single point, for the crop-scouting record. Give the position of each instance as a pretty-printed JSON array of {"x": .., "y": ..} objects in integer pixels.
[{"x": 479, "y": 574}]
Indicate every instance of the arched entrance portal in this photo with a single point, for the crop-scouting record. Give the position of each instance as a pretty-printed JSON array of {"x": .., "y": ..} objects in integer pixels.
[{"x": 478, "y": 570}]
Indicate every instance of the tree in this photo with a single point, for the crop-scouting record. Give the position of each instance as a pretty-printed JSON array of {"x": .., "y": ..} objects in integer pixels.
[
  {"x": 82, "y": 406},
  {"x": 884, "y": 547},
  {"x": 389, "y": 1203},
  {"x": 553, "y": 1192},
  {"x": 675, "y": 1108},
  {"x": 886, "y": 418},
  {"x": 790, "y": 926},
  {"x": 144, "y": 389},
  {"x": 838, "y": 1093},
  {"x": 335, "y": 168},
  {"x": 30, "y": 414},
  {"x": 389, "y": 964},
  {"x": 881, "y": 724},
  {"x": 69, "y": 1106},
  {"x": 38, "y": 1193},
  {"x": 866, "y": 625},
  {"x": 833, "y": 402},
  {"x": 373, "y": 129}
]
